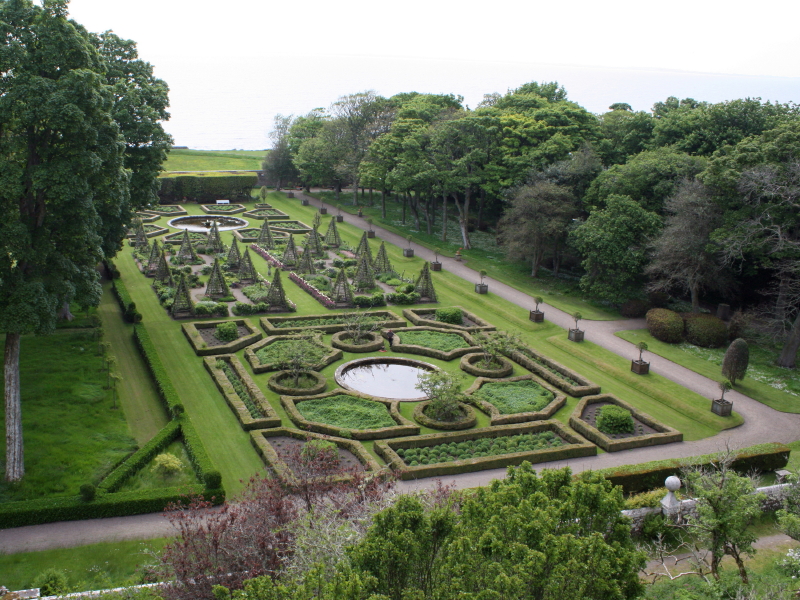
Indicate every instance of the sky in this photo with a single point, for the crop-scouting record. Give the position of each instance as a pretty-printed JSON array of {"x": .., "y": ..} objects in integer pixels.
[{"x": 232, "y": 67}]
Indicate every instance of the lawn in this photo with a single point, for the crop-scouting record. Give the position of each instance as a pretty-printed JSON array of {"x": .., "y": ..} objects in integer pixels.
[
  {"x": 433, "y": 339},
  {"x": 511, "y": 397},
  {"x": 347, "y": 412},
  {"x": 777, "y": 387},
  {"x": 214, "y": 160}
]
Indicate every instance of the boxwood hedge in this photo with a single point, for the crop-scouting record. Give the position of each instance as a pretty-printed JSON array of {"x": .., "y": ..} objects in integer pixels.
[{"x": 665, "y": 325}]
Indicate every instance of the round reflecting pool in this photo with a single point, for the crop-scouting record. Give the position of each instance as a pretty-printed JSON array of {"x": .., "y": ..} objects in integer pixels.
[
  {"x": 202, "y": 223},
  {"x": 392, "y": 378}
]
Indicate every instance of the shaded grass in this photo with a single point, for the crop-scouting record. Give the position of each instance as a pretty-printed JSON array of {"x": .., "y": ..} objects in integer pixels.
[
  {"x": 347, "y": 412},
  {"x": 214, "y": 160}
]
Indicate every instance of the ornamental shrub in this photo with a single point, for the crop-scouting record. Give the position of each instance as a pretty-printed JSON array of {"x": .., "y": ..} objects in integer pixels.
[
  {"x": 453, "y": 315},
  {"x": 614, "y": 419},
  {"x": 403, "y": 299},
  {"x": 166, "y": 464},
  {"x": 634, "y": 309},
  {"x": 88, "y": 492},
  {"x": 212, "y": 479},
  {"x": 706, "y": 331},
  {"x": 51, "y": 582},
  {"x": 665, "y": 325},
  {"x": 228, "y": 331},
  {"x": 736, "y": 360}
]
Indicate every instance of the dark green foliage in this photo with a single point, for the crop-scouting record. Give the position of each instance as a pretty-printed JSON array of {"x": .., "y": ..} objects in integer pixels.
[
  {"x": 510, "y": 397},
  {"x": 665, "y": 325},
  {"x": 614, "y": 419},
  {"x": 305, "y": 265},
  {"x": 208, "y": 309},
  {"x": 341, "y": 292},
  {"x": 376, "y": 299},
  {"x": 51, "y": 582},
  {"x": 152, "y": 262},
  {"x": 258, "y": 292},
  {"x": 227, "y": 332},
  {"x": 364, "y": 248},
  {"x": 382, "y": 264},
  {"x": 452, "y": 315},
  {"x": 332, "y": 234},
  {"x": 182, "y": 303},
  {"x": 241, "y": 389},
  {"x": 433, "y": 339},
  {"x": 247, "y": 272},
  {"x": 523, "y": 442},
  {"x": 186, "y": 252},
  {"x": 205, "y": 189},
  {"x": 634, "y": 309},
  {"x": 706, "y": 331},
  {"x": 163, "y": 272},
  {"x": 314, "y": 242},
  {"x": 241, "y": 309},
  {"x": 213, "y": 241},
  {"x": 424, "y": 285},
  {"x": 403, "y": 299},
  {"x": 276, "y": 296},
  {"x": 166, "y": 390},
  {"x": 88, "y": 492},
  {"x": 736, "y": 360},
  {"x": 347, "y": 412},
  {"x": 234, "y": 256},
  {"x": 265, "y": 239},
  {"x": 217, "y": 287},
  {"x": 364, "y": 278}
]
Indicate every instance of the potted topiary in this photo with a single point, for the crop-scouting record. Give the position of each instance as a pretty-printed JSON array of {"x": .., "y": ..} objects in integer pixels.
[
  {"x": 458, "y": 254},
  {"x": 360, "y": 212},
  {"x": 435, "y": 264},
  {"x": 640, "y": 367},
  {"x": 576, "y": 335},
  {"x": 408, "y": 252},
  {"x": 322, "y": 209},
  {"x": 370, "y": 232},
  {"x": 482, "y": 288},
  {"x": 537, "y": 316},
  {"x": 720, "y": 406},
  {"x": 339, "y": 215}
]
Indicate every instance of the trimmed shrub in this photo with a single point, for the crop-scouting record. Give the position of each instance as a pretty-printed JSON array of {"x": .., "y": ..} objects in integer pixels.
[
  {"x": 376, "y": 299},
  {"x": 706, "y": 331},
  {"x": 634, "y": 309},
  {"x": 736, "y": 360},
  {"x": 205, "y": 189},
  {"x": 452, "y": 315},
  {"x": 614, "y": 419},
  {"x": 88, "y": 492},
  {"x": 403, "y": 299},
  {"x": 212, "y": 480},
  {"x": 227, "y": 332},
  {"x": 51, "y": 582},
  {"x": 665, "y": 325},
  {"x": 166, "y": 464}
]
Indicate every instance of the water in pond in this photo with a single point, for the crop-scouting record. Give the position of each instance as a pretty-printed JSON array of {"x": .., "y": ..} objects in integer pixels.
[
  {"x": 384, "y": 379},
  {"x": 202, "y": 223}
]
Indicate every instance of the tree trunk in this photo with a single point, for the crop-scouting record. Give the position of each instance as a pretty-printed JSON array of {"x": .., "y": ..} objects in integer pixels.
[
  {"x": 355, "y": 191},
  {"x": 278, "y": 185},
  {"x": 15, "y": 465},
  {"x": 444, "y": 217},
  {"x": 383, "y": 204},
  {"x": 463, "y": 216},
  {"x": 371, "y": 201},
  {"x": 65, "y": 313},
  {"x": 693, "y": 290},
  {"x": 405, "y": 199},
  {"x": 414, "y": 204},
  {"x": 556, "y": 257},
  {"x": 788, "y": 355}
]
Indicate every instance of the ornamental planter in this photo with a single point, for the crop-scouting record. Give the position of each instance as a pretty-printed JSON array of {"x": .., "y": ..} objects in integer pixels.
[
  {"x": 304, "y": 202},
  {"x": 339, "y": 218},
  {"x": 537, "y": 316},
  {"x": 360, "y": 213},
  {"x": 481, "y": 288},
  {"x": 640, "y": 367},
  {"x": 457, "y": 257},
  {"x": 576, "y": 335},
  {"x": 323, "y": 211},
  {"x": 408, "y": 252},
  {"x": 722, "y": 408},
  {"x": 436, "y": 265},
  {"x": 290, "y": 194},
  {"x": 370, "y": 234}
]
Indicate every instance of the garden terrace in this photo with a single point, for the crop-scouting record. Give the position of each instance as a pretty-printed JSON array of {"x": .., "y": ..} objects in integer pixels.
[
  {"x": 222, "y": 209},
  {"x": 349, "y": 414},
  {"x": 168, "y": 210},
  {"x": 202, "y": 336},
  {"x": 326, "y": 323},
  {"x": 515, "y": 399},
  {"x": 290, "y": 226},
  {"x": 241, "y": 393},
  {"x": 648, "y": 431},
  {"x": 554, "y": 373},
  {"x": 433, "y": 342},
  {"x": 276, "y": 445},
  {"x": 262, "y": 359},
  {"x": 427, "y": 317},
  {"x": 267, "y": 213},
  {"x": 573, "y": 446}
]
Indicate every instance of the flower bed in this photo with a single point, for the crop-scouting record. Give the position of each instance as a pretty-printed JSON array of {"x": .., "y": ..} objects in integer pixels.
[
  {"x": 573, "y": 446},
  {"x": 340, "y": 340},
  {"x": 554, "y": 373},
  {"x": 251, "y": 234},
  {"x": 169, "y": 210},
  {"x": 222, "y": 209},
  {"x": 326, "y": 323},
  {"x": 427, "y": 317},
  {"x": 468, "y": 418},
  {"x": 515, "y": 399},
  {"x": 318, "y": 295},
  {"x": 290, "y": 226},
  {"x": 349, "y": 414},
  {"x": 469, "y": 364},
  {"x": 264, "y": 253},
  {"x": 648, "y": 431},
  {"x": 202, "y": 344},
  {"x": 241, "y": 393},
  {"x": 266, "y": 213},
  {"x": 434, "y": 343},
  {"x": 254, "y": 354},
  {"x": 280, "y": 384}
]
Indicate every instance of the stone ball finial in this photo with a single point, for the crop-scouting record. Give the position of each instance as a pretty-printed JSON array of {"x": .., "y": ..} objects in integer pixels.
[{"x": 672, "y": 483}]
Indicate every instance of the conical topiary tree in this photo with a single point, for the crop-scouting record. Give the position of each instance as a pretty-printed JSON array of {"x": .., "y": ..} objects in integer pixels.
[
  {"x": 186, "y": 251},
  {"x": 265, "y": 239},
  {"x": 363, "y": 247},
  {"x": 234, "y": 256},
  {"x": 341, "y": 292},
  {"x": 736, "y": 361},
  {"x": 163, "y": 272},
  {"x": 276, "y": 297},
  {"x": 182, "y": 303},
  {"x": 306, "y": 263},
  {"x": 217, "y": 287},
  {"x": 140, "y": 241},
  {"x": 152, "y": 261},
  {"x": 424, "y": 286},
  {"x": 213, "y": 241},
  {"x": 364, "y": 278},
  {"x": 332, "y": 234},
  {"x": 290, "y": 255},
  {"x": 247, "y": 272},
  {"x": 314, "y": 241},
  {"x": 382, "y": 264}
]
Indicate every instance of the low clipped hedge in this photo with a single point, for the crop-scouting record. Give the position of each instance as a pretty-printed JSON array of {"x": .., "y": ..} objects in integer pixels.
[
  {"x": 575, "y": 447},
  {"x": 141, "y": 457},
  {"x": 197, "y": 342},
  {"x": 269, "y": 419},
  {"x": 468, "y": 365},
  {"x": 651, "y": 475},
  {"x": 706, "y": 331},
  {"x": 166, "y": 391},
  {"x": 497, "y": 418},
  {"x": 427, "y": 317},
  {"x": 271, "y": 324},
  {"x": 288, "y": 390},
  {"x": 222, "y": 209},
  {"x": 164, "y": 210},
  {"x": 250, "y": 353},
  {"x": 375, "y": 343},
  {"x": 469, "y": 419},
  {"x": 665, "y": 435},
  {"x": 126, "y": 303},
  {"x": 290, "y": 227},
  {"x": 275, "y": 215},
  {"x": 665, "y": 325},
  {"x": 554, "y": 373},
  {"x": 397, "y": 344}
]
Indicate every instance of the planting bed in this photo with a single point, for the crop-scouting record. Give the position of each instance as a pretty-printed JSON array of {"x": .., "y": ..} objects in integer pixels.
[
  {"x": 241, "y": 393},
  {"x": 266, "y": 213},
  {"x": 263, "y": 359},
  {"x": 433, "y": 342},
  {"x": 427, "y": 317},
  {"x": 195, "y": 237},
  {"x": 290, "y": 226},
  {"x": 250, "y": 234},
  {"x": 150, "y": 231},
  {"x": 472, "y": 364},
  {"x": 326, "y": 323},
  {"x": 168, "y": 210},
  {"x": 203, "y": 337},
  {"x": 222, "y": 209},
  {"x": 554, "y": 373},
  {"x": 516, "y": 399}
]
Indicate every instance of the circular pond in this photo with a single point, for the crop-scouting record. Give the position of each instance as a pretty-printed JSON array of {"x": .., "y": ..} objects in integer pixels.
[
  {"x": 203, "y": 223},
  {"x": 391, "y": 378}
]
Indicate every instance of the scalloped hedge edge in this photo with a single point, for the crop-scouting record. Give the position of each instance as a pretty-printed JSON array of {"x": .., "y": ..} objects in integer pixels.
[
  {"x": 259, "y": 367},
  {"x": 576, "y": 447},
  {"x": 650, "y": 475},
  {"x": 467, "y": 366},
  {"x": 496, "y": 418},
  {"x": 285, "y": 390},
  {"x": 373, "y": 346},
  {"x": 398, "y": 346},
  {"x": 470, "y": 420},
  {"x": 224, "y": 385},
  {"x": 586, "y": 387},
  {"x": 267, "y": 323},
  {"x": 191, "y": 333},
  {"x": 211, "y": 209},
  {"x": 665, "y": 435},
  {"x": 403, "y": 427},
  {"x": 271, "y": 459},
  {"x": 413, "y": 315}
]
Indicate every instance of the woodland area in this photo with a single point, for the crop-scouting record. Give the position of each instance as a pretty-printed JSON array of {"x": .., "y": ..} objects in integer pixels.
[{"x": 692, "y": 199}]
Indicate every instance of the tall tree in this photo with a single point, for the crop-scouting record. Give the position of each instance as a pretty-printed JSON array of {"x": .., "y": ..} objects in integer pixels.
[{"x": 278, "y": 166}]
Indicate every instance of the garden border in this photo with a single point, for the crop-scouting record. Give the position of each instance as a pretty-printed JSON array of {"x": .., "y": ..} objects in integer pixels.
[
  {"x": 538, "y": 363},
  {"x": 497, "y": 418},
  {"x": 259, "y": 367},
  {"x": 467, "y": 366},
  {"x": 267, "y": 323},
  {"x": 284, "y": 390},
  {"x": 281, "y": 217},
  {"x": 398, "y": 346},
  {"x": 413, "y": 315},
  {"x": 469, "y": 421},
  {"x": 197, "y": 342},
  {"x": 275, "y": 225},
  {"x": 214, "y": 209},
  {"x": 279, "y": 236},
  {"x": 374, "y": 346},
  {"x": 178, "y": 213}
]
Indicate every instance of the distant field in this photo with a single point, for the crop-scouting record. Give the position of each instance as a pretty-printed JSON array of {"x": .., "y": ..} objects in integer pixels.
[{"x": 214, "y": 160}]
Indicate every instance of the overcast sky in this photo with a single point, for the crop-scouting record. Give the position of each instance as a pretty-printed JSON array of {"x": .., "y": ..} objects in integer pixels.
[{"x": 230, "y": 64}]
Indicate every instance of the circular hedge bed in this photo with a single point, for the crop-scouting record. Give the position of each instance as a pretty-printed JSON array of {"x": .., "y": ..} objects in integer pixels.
[
  {"x": 346, "y": 412},
  {"x": 372, "y": 342},
  {"x": 282, "y": 383},
  {"x": 502, "y": 367},
  {"x": 468, "y": 418}
]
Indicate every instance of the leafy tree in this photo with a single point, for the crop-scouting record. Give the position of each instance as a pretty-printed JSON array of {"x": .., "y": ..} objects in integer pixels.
[
  {"x": 444, "y": 392},
  {"x": 494, "y": 344},
  {"x": 297, "y": 356},
  {"x": 624, "y": 133},
  {"x": 278, "y": 165},
  {"x": 789, "y": 515},
  {"x": 613, "y": 244},
  {"x": 735, "y": 361}
]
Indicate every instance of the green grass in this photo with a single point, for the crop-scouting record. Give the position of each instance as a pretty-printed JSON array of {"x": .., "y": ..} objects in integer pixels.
[
  {"x": 433, "y": 339},
  {"x": 347, "y": 412},
  {"x": 146, "y": 478},
  {"x": 777, "y": 387},
  {"x": 214, "y": 160},
  {"x": 272, "y": 354},
  {"x": 95, "y": 566},
  {"x": 512, "y": 397}
]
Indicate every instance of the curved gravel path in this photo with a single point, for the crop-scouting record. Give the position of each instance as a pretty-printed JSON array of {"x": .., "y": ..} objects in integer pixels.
[{"x": 762, "y": 424}]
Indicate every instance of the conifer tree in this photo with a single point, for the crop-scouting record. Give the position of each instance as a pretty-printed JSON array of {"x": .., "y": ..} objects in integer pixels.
[{"x": 736, "y": 360}]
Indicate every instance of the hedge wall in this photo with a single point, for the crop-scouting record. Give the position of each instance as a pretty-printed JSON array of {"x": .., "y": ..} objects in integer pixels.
[
  {"x": 398, "y": 345},
  {"x": 554, "y": 373},
  {"x": 141, "y": 457},
  {"x": 205, "y": 189},
  {"x": 269, "y": 323},
  {"x": 496, "y": 418},
  {"x": 198, "y": 343},
  {"x": 426, "y": 316},
  {"x": 338, "y": 340},
  {"x": 167, "y": 392},
  {"x": 224, "y": 385},
  {"x": 706, "y": 331},
  {"x": 468, "y": 365},
  {"x": 470, "y": 419}
]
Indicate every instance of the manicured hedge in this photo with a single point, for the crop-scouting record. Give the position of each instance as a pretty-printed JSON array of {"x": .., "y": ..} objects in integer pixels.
[
  {"x": 665, "y": 325},
  {"x": 426, "y": 317},
  {"x": 470, "y": 419},
  {"x": 205, "y": 189},
  {"x": 651, "y": 475},
  {"x": 398, "y": 345},
  {"x": 497, "y": 418},
  {"x": 126, "y": 303},
  {"x": 575, "y": 447},
  {"x": 665, "y": 435},
  {"x": 468, "y": 365},
  {"x": 197, "y": 342},
  {"x": 338, "y": 340},
  {"x": 706, "y": 331},
  {"x": 162, "y": 210},
  {"x": 270, "y": 417},
  {"x": 141, "y": 457},
  {"x": 163, "y": 383},
  {"x": 225, "y": 209},
  {"x": 554, "y": 373},
  {"x": 297, "y": 323},
  {"x": 285, "y": 390},
  {"x": 332, "y": 355}
]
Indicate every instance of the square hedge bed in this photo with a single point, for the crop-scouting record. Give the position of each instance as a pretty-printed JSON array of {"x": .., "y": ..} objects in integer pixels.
[
  {"x": 266, "y": 213},
  {"x": 201, "y": 348},
  {"x": 467, "y": 341},
  {"x": 296, "y": 227},
  {"x": 574, "y": 446},
  {"x": 195, "y": 237},
  {"x": 565, "y": 379},
  {"x": 332, "y": 355},
  {"x": 499, "y": 418},
  {"x": 243, "y": 396},
  {"x": 325, "y": 323},
  {"x": 169, "y": 210},
  {"x": 146, "y": 216},
  {"x": 150, "y": 231},
  {"x": 426, "y": 317},
  {"x": 222, "y": 209},
  {"x": 261, "y": 442},
  {"x": 402, "y": 426},
  {"x": 251, "y": 234},
  {"x": 662, "y": 434}
]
